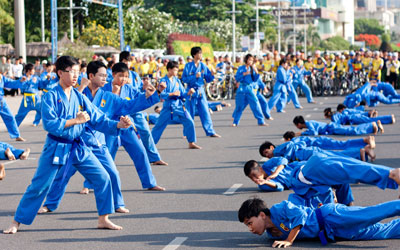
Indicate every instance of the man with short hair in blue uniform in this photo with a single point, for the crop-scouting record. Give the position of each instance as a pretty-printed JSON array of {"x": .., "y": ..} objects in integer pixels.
[
  {"x": 66, "y": 114},
  {"x": 194, "y": 74}
]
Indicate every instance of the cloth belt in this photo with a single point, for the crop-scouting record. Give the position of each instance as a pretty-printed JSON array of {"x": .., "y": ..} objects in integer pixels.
[
  {"x": 321, "y": 223},
  {"x": 302, "y": 178},
  {"x": 31, "y": 95},
  {"x": 45, "y": 90},
  {"x": 75, "y": 143}
]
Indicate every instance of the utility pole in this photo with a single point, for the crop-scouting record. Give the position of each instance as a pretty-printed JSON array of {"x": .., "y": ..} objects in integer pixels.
[
  {"x": 257, "y": 38},
  {"x": 233, "y": 12},
  {"x": 20, "y": 39},
  {"x": 294, "y": 30},
  {"x": 42, "y": 19},
  {"x": 279, "y": 26},
  {"x": 71, "y": 21}
]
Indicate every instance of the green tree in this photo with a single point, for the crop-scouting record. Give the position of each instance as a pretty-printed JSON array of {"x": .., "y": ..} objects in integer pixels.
[
  {"x": 335, "y": 43},
  {"x": 368, "y": 26},
  {"x": 6, "y": 21}
]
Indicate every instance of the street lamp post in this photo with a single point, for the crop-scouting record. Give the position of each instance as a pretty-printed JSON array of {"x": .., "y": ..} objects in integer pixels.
[
  {"x": 257, "y": 42},
  {"x": 279, "y": 26},
  {"x": 233, "y": 12},
  {"x": 294, "y": 30}
]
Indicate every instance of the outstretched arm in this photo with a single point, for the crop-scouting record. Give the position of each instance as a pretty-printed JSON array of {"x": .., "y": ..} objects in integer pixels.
[{"x": 289, "y": 240}]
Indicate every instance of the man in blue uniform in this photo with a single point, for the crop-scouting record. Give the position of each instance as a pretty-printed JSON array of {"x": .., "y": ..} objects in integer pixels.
[
  {"x": 194, "y": 74},
  {"x": 5, "y": 112},
  {"x": 286, "y": 221},
  {"x": 174, "y": 108},
  {"x": 65, "y": 114}
]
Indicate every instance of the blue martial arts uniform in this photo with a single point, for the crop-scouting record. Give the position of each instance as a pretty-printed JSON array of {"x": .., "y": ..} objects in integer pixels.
[
  {"x": 322, "y": 128},
  {"x": 199, "y": 98},
  {"x": 387, "y": 90},
  {"x": 111, "y": 105},
  {"x": 16, "y": 152},
  {"x": 48, "y": 83},
  {"x": 174, "y": 109},
  {"x": 31, "y": 100},
  {"x": 298, "y": 81},
  {"x": 129, "y": 91},
  {"x": 5, "y": 112},
  {"x": 360, "y": 119},
  {"x": 280, "y": 90},
  {"x": 260, "y": 86},
  {"x": 340, "y": 221},
  {"x": 66, "y": 145},
  {"x": 292, "y": 93},
  {"x": 328, "y": 143},
  {"x": 247, "y": 94}
]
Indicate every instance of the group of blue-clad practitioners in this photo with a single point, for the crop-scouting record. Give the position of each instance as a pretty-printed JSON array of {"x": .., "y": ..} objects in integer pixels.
[
  {"x": 320, "y": 169},
  {"x": 86, "y": 126}
]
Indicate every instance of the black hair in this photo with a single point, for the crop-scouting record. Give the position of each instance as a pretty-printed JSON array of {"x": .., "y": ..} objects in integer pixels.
[
  {"x": 252, "y": 208},
  {"x": 37, "y": 59},
  {"x": 110, "y": 64},
  {"x": 120, "y": 67},
  {"x": 172, "y": 64},
  {"x": 363, "y": 103},
  {"x": 328, "y": 112},
  {"x": 250, "y": 166},
  {"x": 289, "y": 135},
  {"x": 28, "y": 66},
  {"x": 125, "y": 55},
  {"x": 298, "y": 59},
  {"x": 299, "y": 120},
  {"x": 194, "y": 51},
  {"x": 283, "y": 61},
  {"x": 156, "y": 107},
  {"x": 94, "y": 66},
  {"x": 83, "y": 65},
  {"x": 48, "y": 64},
  {"x": 247, "y": 57},
  {"x": 340, "y": 107},
  {"x": 264, "y": 146},
  {"x": 64, "y": 62}
]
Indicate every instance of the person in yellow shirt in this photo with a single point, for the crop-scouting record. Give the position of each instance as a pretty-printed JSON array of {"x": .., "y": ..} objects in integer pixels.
[
  {"x": 320, "y": 66},
  {"x": 330, "y": 65},
  {"x": 367, "y": 61},
  {"x": 341, "y": 66},
  {"x": 317, "y": 54},
  {"x": 237, "y": 64},
  {"x": 268, "y": 63},
  {"x": 181, "y": 66},
  {"x": 144, "y": 67},
  {"x": 152, "y": 66},
  {"x": 210, "y": 66},
  {"x": 377, "y": 65},
  {"x": 392, "y": 65},
  {"x": 136, "y": 64},
  {"x": 277, "y": 60},
  {"x": 357, "y": 63},
  {"x": 163, "y": 69},
  {"x": 308, "y": 65}
]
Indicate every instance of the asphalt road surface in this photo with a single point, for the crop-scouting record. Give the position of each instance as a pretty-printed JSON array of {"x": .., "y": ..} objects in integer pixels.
[{"x": 205, "y": 188}]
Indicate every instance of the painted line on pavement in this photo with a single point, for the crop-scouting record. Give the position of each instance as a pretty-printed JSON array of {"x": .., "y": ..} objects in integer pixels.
[
  {"x": 233, "y": 189},
  {"x": 321, "y": 103},
  {"x": 315, "y": 109},
  {"x": 326, "y": 98},
  {"x": 308, "y": 116},
  {"x": 11, "y": 162},
  {"x": 177, "y": 242}
]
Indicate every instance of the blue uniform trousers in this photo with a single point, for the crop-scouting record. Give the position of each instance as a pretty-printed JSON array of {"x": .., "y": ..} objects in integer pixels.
[
  {"x": 179, "y": 116},
  {"x": 304, "y": 87},
  {"x": 136, "y": 150},
  {"x": 30, "y": 105},
  {"x": 293, "y": 96},
  {"x": 362, "y": 223},
  {"x": 57, "y": 189},
  {"x": 202, "y": 106},
  {"x": 337, "y": 129},
  {"x": 278, "y": 97},
  {"x": 143, "y": 128},
  {"x": 16, "y": 152},
  {"x": 9, "y": 119},
  {"x": 264, "y": 105},
  {"x": 43, "y": 178},
  {"x": 247, "y": 96}
]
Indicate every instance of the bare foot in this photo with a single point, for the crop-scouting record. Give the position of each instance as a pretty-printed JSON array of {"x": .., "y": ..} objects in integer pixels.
[
  {"x": 43, "y": 210},
  {"x": 193, "y": 145},
  {"x": 2, "y": 171},
  {"x": 215, "y": 135},
  {"x": 122, "y": 210},
  {"x": 160, "y": 162},
  {"x": 84, "y": 191},
  {"x": 34, "y": 125},
  {"x": 156, "y": 188},
  {"x": 300, "y": 107},
  {"x": 380, "y": 126},
  {"x": 25, "y": 154},
  {"x": 263, "y": 125},
  {"x": 211, "y": 112},
  {"x": 362, "y": 154},
  {"x": 395, "y": 175},
  {"x": 371, "y": 141},
  {"x": 234, "y": 125},
  {"x": 219, "y": 108},
  {"x": 19, "y": 139},
  {"x": 13, "y": 228},
  {"x": 105, "y": 223},
  {"x": 282, "y": 111},
  {"x": 9, "y": 154},
  {"x": 370, "y": 152},
  {"x": 375, "y": 128},
  {"x": 350, "y": 204},
  {"x": 270, "y": 118},
  {"x": 393, "y": 119}
]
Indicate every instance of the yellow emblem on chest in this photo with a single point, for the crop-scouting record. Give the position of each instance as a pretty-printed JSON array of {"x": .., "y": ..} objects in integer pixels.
[
  {"x": 127, "y": 98},
  {"x": 284, "y": 227},
  {"x": 80, "y": 108},
  {"x": 103, "y": 103}
]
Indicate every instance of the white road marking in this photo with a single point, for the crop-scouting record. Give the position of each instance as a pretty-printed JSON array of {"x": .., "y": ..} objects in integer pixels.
[
  {"x": 321, "y": 103},
  {"x": 308, "y": 116},
  {"x": 177, "y": 242},
  {"x": 315, "y": 109},
  {"x": 232, "y": 189},
  {"x": 326, "y": 98}
]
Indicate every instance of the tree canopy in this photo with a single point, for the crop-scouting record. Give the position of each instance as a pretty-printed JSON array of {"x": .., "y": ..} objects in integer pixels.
[{"x": 368, "y": 26}]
